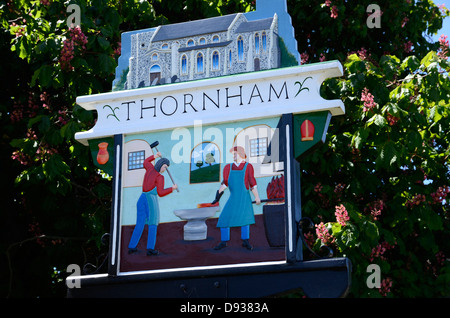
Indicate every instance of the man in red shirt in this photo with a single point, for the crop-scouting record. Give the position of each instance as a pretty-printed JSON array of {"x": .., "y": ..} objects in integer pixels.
[
  {"x": 147, "y": 205},
  {"x": 238, "y": 211}
]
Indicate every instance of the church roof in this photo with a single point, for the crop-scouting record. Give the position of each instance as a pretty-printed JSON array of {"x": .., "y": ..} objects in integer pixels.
[
  {"x": 257, "y": 25},
  {"x": 194, "y": 28}
]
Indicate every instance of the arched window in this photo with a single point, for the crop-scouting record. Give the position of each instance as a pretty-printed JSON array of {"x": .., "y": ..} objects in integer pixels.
[
  {"x": 230, "y": 59},
  {"x": 202, "y": 41},
  {"x": 216, "y": 39},
  {"x": 257, "y": 43},
  {"x": 155, "y": 69},
  {"x": 165, "y": 46},
  {"x": 264, "y": 41},
  {"x": 154, "y": 57},
  {"x": 215, "y": 61},
  {"x": 190, "y": 43},
  {"x": 184, "y": 69},
  {"x": 240, "y": 45},
  {"x": 199, "y": 63},
  {"x": 205, "y": 163}
]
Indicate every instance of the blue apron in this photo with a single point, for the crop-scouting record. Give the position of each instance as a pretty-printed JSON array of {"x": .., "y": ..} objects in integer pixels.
[
  {"x": 149, "y": 203},
  {"x": 238, "y": 211}
]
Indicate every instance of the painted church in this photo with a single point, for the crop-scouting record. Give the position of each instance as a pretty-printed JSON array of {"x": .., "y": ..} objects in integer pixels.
[{"x": 203, "y": 49}]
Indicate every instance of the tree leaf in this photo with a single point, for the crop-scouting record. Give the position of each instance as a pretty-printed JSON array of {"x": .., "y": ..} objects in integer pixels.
[
  {"x": 45, "y": 76},
  {"x": 387, "y": 155},
  {"x": 378, "y": 120},
  {"x": 411, "y": 62},
  {"x": 104, "y": 43},
  {"x": 428, "y": 59},
  {"x": 370, "y": 230}
]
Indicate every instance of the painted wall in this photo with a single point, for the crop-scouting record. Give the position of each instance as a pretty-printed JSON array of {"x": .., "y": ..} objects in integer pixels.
[{"x": 177, "y": 146}]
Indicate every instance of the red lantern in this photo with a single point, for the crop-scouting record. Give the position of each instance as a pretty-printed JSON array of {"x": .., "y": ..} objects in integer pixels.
[{"x": 307, "y": 130}]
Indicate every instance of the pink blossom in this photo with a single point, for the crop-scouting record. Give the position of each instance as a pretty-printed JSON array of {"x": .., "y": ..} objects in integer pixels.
[
  {"x": 440, "y": 194},
  {"x": 435, "y": 266},
  {"x": 416, "y": 200},
  {"x": 323, "y": 234},
  {"x": 76, "y": 38},
  {"x": 322, "y": 57},
  {"x": 304, "y": 58},
  {"x": 327, "y": 3},
  {"x": 318, "y": 188},
  {"x": 368, "y": 100},
  {"x": 44, "y": 152},
  {"x": 17, "y": 113},
  {"x": 341, "y": 215},
  {"x": 363, "y": 54},
  {"x": 118, "y": 50},
  {"x": 309, "y": 238},
  {"x": 334, "y": 12},
  {"x": 444, "y": 47},
  {"x": 339, "y": 188},
  {"x": 375, "y": 208},
  {"x": 20, "y": 111},
  {"x": 375, "y": 214},
  {"x": 407, "y": 47},
  {"x": 404, "y": 21},
  {"x": 43, "y": 97},
  {"x": 62, "y": 118},
  {"x": 21, "y": 157},
  {"x": 379, "y": 250},
  {"x": 385, "y": 286},
  {"x": 392, "y": 120},
  {"x": 31, "y": 134},
  {"x": 440, "y": 258},
  {"x": 67, "y": 55}
]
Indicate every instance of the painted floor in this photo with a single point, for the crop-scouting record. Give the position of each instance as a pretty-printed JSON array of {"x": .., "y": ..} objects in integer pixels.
[{"x": 175, "y": 252}]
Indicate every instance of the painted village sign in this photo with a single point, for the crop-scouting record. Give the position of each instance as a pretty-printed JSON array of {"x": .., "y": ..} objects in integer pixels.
[{"x": 202, "y": 134}]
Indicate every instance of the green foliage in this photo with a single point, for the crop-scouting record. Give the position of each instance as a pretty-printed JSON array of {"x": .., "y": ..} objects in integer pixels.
[
  {"x": 57, "y": 203},
  {"x": 337, "y": 28},
  {"x": 385, "y": 160},
  {"x": 390, "y": 168}
]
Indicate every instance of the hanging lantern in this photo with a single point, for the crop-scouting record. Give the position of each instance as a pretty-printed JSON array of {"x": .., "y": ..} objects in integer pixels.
[
  {"x": 103, "y": 155},
  {"x": 307, "y": 130}
]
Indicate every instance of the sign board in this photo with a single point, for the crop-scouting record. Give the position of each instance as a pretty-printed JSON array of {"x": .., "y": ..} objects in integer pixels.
[{"x": 202, "y": 134}]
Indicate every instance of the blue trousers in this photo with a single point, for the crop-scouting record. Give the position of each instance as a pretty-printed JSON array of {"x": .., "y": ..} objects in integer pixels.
[
  {"x": 147, "y": 213},
  {"x": 225, "y": 233},
  {"x": 151, "y": 238}
]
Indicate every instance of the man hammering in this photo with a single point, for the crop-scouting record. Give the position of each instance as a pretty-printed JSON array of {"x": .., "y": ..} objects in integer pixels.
[
  {"x": 147, "y": 205},
  {"x": 238, "y": 211}
]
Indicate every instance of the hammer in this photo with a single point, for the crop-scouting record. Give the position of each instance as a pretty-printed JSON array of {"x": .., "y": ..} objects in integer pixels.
[{"x": 154, "y": 145}]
